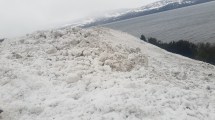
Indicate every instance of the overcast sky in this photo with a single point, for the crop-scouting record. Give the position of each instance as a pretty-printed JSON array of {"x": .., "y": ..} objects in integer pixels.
[{"x": 18, "y": 17}]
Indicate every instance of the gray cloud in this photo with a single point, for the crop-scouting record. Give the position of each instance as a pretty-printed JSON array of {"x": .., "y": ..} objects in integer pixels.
[{"x": 19, "y": 17}]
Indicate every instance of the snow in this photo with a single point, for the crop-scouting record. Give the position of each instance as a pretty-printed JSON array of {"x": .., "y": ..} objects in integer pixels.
[{"x": 100, "y": 74}]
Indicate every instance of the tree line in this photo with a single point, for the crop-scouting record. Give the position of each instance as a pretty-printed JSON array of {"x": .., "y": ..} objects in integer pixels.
[{"x": 200, "y": 51}]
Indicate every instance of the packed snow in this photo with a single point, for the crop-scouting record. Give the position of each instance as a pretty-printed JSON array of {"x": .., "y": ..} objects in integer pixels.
[{"x": 100, "y": 74}]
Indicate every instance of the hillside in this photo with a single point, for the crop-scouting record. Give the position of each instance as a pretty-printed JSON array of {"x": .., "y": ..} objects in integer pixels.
[
  {"x": 100, "y": 74},
  {"x": 194, "y": 24}
]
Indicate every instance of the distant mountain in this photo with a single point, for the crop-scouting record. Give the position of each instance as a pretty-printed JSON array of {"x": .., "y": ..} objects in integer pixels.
[{"x": 155, "y": 7}]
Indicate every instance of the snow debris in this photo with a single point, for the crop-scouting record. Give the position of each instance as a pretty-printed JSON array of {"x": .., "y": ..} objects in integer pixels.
[{"x": 100, "y": 74}]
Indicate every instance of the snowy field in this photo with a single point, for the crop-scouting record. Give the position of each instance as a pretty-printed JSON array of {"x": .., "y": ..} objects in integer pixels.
[{"x": 100, "y": 74}]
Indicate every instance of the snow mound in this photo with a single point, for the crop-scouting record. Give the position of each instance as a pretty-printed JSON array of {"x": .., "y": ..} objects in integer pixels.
[
  {"x": 100, "y": 74},
  {"x": 84, "y": 44}
]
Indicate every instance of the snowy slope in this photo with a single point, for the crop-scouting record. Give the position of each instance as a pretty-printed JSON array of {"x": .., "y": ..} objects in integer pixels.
[
  {"x": 100, "y": 74},
  {"x": 162, "y": 3}
]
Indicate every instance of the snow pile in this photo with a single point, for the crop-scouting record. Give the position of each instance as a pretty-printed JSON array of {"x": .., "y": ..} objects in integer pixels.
[{"x": 100, "y": 74}]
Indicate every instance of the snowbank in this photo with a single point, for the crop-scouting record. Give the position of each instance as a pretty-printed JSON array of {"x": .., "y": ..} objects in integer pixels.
[{"x": 100, "y": 74}]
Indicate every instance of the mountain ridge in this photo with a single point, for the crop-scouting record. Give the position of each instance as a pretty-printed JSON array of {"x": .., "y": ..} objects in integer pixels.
[{"x": 159, "y": 6}]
